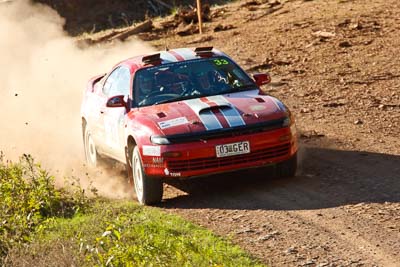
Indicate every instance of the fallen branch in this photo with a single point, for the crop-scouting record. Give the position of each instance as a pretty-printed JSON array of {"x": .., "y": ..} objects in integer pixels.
[
  {"x": 107, "y": 36},
  {"x": 266, "y": 13},
  {"x": 142, "y": 27}
]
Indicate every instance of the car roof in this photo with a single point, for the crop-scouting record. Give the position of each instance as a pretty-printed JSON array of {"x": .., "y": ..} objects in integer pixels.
[{"x": 168, "y": 56}]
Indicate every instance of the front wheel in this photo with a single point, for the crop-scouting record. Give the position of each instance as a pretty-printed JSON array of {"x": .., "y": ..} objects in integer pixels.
[{"x": 148, "y": 190}]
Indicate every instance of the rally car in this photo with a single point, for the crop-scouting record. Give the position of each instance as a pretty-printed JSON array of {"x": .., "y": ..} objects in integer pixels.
[{"x": 185, "y": 113}]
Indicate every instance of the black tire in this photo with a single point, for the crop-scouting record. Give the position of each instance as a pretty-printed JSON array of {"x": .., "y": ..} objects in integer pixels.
[
  {"x": 91, "y": 154},
  {"x": 148, "y": 190},
  {"x": 128, "y": 165},
  {"x": 287, "y": 168}
]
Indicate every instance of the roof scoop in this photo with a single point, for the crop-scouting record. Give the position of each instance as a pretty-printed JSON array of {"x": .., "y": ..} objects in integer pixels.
[
  {"x": 152, "y": 59},
  {"x": 204, "y": 51}
]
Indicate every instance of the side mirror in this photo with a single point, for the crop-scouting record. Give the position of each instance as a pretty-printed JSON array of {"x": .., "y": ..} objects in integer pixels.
[
  {"x": 117, "y": 102},
  {"x": 262, "y": 78}
]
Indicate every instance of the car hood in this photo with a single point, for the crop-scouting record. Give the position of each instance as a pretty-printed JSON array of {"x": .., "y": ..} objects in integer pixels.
[{"x": 214, "y": 113}]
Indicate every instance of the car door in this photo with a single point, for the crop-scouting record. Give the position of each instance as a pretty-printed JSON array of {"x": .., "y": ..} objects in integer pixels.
[
  {"x": 95, "y": 103},
  {"x": 113, "y": 118}
]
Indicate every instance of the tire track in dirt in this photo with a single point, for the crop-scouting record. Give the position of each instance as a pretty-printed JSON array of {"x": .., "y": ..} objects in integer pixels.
[
  {"x": 342, "y": 231},
  {"x": 322, "y": 217}
]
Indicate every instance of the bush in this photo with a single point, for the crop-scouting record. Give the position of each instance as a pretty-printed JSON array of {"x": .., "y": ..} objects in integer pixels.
[
  {"x": 131, "y": 235},
  {"x": 41, "y": 225},
  {"x": 29, "y": 201}
]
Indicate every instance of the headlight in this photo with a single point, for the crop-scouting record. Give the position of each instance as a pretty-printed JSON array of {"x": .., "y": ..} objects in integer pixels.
[
  {"x": 286, "y": 122},
  {"x": 289, "y": 122},
  {"x": 159, "y": 140}
]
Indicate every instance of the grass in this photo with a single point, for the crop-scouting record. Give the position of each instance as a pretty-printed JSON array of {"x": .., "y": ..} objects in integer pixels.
[{"x": 69, "y": 229}]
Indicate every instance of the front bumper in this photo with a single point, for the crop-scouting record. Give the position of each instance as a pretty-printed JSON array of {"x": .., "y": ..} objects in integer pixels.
[{"x": 199, "y": 158}]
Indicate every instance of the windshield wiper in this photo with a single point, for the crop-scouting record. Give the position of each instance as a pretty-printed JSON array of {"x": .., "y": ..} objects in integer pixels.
[
  {"x": 246, "y": 87},
  {"x": 184, "y": 97},
  {"x": 237, "y": 89}
]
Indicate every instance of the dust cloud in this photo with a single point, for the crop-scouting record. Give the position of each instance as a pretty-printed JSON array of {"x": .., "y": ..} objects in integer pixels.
[{"x": 42, "y": 77}]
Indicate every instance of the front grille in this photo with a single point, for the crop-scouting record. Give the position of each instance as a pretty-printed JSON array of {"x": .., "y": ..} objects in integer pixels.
[
  {"x": 227, "y": 132},
  {"x": 205, "y": 163}
]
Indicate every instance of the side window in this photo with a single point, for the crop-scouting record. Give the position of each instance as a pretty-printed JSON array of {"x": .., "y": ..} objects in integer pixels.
[
  {"x": 122, "y": 85},
  {"x": 117, "y": 83},
  {"x": 111, "y": 80}
]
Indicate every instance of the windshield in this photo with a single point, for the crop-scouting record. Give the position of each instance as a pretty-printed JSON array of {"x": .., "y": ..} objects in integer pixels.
[{"x": 188, "y": 79}]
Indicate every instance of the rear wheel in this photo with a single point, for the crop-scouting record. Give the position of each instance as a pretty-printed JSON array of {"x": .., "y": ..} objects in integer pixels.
[
  {"x": 287, "y": 168},
  {"x": 90, "y": 148},
  {"x": 148, "y": 190}
]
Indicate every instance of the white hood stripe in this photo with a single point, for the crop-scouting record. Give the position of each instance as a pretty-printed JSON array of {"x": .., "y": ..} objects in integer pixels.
[
  {"x": 231, "y": 115},
  {"x": 207, "y": 117},
  {"x": 209, "y": 120}
]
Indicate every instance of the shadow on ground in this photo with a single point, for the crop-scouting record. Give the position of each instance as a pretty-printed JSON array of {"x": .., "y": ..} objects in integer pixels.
[{"x": 326, "y": 178}]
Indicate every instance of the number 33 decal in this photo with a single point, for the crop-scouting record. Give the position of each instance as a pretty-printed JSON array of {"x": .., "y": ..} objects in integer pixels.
[{"x": 220, "y": 62}]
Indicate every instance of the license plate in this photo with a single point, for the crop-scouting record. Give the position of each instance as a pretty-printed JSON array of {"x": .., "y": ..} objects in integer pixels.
[{"x": 232, "y": 149}]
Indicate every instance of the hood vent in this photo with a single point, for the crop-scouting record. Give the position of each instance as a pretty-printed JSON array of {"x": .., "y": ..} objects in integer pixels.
[
  {"x": 161, "y": 115},
  {"x": 214, "y": 107},
  {"x": 260, "y": 100}
]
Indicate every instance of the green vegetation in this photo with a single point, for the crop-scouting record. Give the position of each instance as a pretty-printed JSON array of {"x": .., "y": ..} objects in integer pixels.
[{"x": 41, "y": 225}]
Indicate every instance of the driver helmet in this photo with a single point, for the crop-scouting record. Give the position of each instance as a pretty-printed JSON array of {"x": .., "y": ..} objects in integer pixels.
[
  {"x": 169, "y": 82},
  {"x": 203, "y": 80},
  {"x": 146, "y": 85},
  {"x": 176, "y": 87}
]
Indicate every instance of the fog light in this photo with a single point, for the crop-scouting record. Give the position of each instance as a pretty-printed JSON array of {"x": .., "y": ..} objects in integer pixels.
[{"x": 172, "y": 154}]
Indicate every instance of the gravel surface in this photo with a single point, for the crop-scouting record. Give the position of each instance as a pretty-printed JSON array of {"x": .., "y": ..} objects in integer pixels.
[{"x": 335, "y": 64}]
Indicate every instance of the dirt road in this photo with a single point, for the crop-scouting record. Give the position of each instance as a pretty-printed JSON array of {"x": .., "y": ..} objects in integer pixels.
[
  {"x": 335, "y": 63},
  {"x": 343, "y": 209}
]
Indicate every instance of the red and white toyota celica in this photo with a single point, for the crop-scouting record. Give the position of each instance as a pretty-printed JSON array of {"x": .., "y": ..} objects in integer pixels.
[{"x": 185, "y": 113}]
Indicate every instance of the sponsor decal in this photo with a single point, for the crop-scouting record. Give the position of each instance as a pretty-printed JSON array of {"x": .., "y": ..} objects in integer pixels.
[
  {"x": 173, "y": 122},
  {"x": 154, "y": 151},
  {"x": 257, "y": 107},
  {"x": 150, "y": 165},
  {"x": 166, "y": 171},
  {"x": 158, "y": 160},
  {"x": 172, "y": 174}
]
